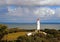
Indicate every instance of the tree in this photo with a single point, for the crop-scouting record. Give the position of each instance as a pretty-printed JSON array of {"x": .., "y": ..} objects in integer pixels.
[{"x": 2, "y": 30}]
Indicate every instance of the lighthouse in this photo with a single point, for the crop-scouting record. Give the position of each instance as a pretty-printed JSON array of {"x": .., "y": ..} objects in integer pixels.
[
  {"x": 38, "y": 24},
  {"x": 37, "y": 29}
]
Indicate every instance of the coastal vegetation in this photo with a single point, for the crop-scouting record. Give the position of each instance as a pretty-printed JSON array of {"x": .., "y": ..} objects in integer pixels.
[
  {"x": 19, "y": 35},
  {"x": 3, "y": 30}
]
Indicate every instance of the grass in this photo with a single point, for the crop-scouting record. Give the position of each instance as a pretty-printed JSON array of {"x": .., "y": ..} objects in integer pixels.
[{"x": 13, "y": 36}]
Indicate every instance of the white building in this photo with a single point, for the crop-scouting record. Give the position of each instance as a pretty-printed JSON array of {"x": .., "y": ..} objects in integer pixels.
[
  {"x": 38, "y": 24},
  {"x": 29, "y": 34},
  {"x": 37, "y": 30}
]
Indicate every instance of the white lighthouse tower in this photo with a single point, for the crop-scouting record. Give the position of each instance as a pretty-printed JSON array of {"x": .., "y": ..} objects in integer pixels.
[
  {"x": 37, "y": 29},
  {"x": 38, "y": 24}
]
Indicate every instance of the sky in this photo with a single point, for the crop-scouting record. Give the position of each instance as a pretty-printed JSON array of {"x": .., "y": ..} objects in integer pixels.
[{"x": 27, "y": 11}]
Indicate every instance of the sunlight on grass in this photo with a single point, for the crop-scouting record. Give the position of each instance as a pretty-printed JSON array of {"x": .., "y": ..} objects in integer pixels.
[{"x": 13, "y": 36}]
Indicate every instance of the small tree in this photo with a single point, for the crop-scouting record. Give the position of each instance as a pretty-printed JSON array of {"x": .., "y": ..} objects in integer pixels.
[{"x": 2, "y": 30}]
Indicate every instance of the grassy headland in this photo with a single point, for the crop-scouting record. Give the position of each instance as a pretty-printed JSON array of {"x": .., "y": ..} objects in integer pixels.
[{"x": 19, "y": 35}]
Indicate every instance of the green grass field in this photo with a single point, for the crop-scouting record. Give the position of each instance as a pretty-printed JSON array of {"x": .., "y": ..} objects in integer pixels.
[{"x": 13, "y": 36}]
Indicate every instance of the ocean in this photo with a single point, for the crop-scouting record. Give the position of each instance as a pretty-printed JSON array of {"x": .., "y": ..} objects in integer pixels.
[{"x": 32, "y": 25}]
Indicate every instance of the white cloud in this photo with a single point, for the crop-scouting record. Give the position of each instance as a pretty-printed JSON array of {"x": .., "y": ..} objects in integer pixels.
[
  {"x": 29, "y": 13},
  {"x": 26, "y": 11},
  {"x": 2, "y": 2},
  {"x": 44, "y": 12},
  {"x": 44, "y": 2},
  {"x": 34, "y": 2},
  {"x": 15, "y": 11},
  {"x": 57, "y": 10},
  {"x": 30, "y": 2},
  {"x": 19, "y": 11}
]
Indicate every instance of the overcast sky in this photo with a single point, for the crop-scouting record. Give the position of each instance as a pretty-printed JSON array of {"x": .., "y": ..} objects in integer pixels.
[{"x": 23, "y": 11}]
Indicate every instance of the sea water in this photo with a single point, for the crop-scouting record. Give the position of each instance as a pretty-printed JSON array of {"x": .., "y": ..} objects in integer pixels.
[{"x": 32, "y": 25}]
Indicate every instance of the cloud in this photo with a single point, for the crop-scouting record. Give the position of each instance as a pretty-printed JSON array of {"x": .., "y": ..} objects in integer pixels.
[
  {"x": 29, "y": 14},
  {"x": 33, "y": 2},
  {"x": 57, "y": 10},
  {"x": 15, "y": 11},
  {"x": 2, "y": 2},
  {"x": 19, "y": 11},
  {"x": 44, "y": 12},
  {"x": 30, "y": 2},
  {"x": 35, "y": 11}
]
